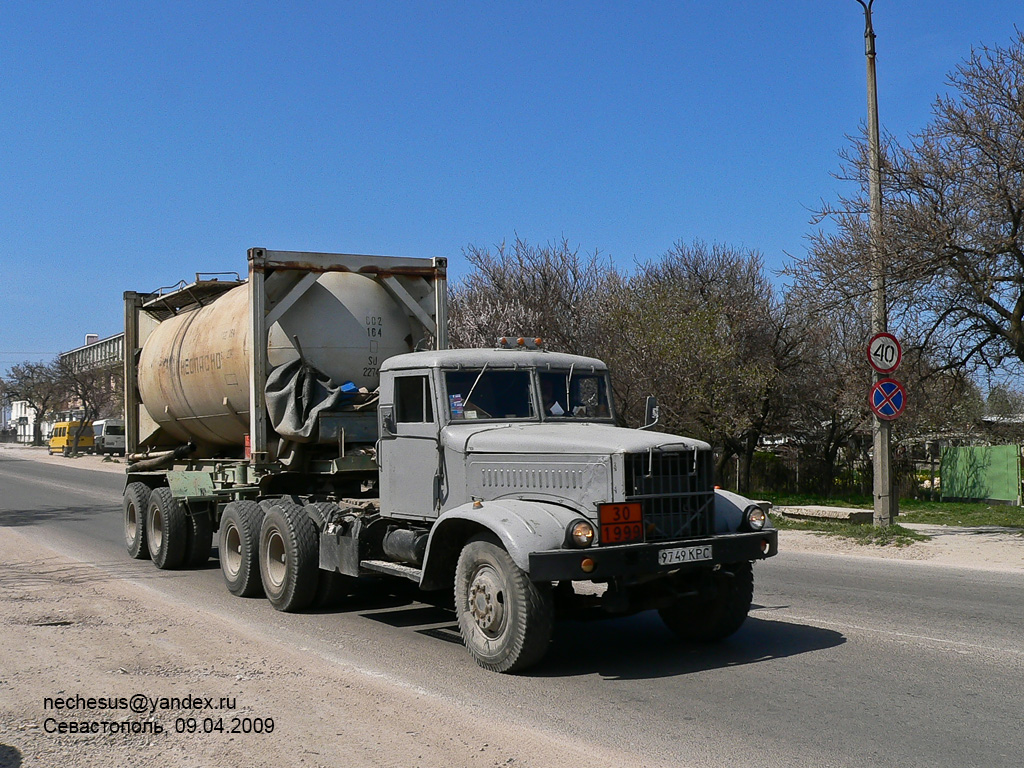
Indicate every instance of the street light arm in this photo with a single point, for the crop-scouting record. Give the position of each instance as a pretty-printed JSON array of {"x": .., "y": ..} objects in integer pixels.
[{"x": 869, "y": 30}]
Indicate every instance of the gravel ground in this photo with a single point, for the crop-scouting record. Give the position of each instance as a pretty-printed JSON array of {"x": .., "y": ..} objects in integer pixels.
[{"x": 70, "y": 632}]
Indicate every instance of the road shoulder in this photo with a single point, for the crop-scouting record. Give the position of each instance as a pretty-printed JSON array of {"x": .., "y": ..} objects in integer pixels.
[
  {"x": 989, "y": 549},
  {"x": 73, "y": 632}
]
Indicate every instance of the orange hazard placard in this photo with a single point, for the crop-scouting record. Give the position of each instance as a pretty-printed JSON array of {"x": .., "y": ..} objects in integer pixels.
[{"x": 621, "y": 523}]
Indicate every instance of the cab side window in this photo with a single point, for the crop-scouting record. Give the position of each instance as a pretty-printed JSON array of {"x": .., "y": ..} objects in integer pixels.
[{"x": 412, "y": 400}]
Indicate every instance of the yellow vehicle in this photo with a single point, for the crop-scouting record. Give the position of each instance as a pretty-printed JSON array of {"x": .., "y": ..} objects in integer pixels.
[{"x": 62, "y": 439}]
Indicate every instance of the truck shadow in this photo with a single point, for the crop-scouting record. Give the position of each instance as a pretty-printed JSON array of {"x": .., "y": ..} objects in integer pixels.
[
  {"x": 10, "y": 757},
  {"x": 632, "y": 648},
  {"x": 41, "y": 572},
  {"x": 17, "y": 518},
  {"x": 641, "y": 647}
]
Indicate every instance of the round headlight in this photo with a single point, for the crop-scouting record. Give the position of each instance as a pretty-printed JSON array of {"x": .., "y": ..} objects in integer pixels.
[
  {"x": 756, "y": 517},
  {"x": 581, "y": 533}
]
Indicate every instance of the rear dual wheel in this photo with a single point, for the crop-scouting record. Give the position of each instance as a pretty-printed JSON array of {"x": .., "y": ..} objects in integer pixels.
[
  {"x": 174, "y": 538},
  {"x": 289, "y": 556},
  {"x": 239, "y": 548},
  {"x": 167, "y": 529}
]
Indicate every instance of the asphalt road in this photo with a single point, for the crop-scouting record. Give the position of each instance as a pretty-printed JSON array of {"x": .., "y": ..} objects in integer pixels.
[{"x": 843, "y": 661}]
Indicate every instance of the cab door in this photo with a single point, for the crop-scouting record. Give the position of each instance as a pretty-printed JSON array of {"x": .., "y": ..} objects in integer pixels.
[{"x": 408, "y": 449}]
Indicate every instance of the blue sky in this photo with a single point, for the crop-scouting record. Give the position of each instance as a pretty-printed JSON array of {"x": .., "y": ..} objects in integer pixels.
[{"x": 141, "y": 142}]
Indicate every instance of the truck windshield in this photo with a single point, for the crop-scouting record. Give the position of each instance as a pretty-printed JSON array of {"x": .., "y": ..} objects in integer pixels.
[
  {"x": 484, "y": 393},
  {"x": 571, "y": 395}
]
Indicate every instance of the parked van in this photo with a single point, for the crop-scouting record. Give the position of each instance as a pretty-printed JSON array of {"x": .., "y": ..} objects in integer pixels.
[
  {"x": 108, "y": 435},
  {"x": 62, "y": 439}
]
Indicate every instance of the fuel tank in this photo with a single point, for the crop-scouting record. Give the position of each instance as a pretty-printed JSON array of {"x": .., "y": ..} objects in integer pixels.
[{"x": 193, "y": 373}]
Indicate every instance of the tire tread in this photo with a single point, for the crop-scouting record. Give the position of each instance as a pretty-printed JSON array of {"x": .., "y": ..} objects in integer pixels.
[
  {"x": 136, "y": 494},
  {"x": 302, "y": 554},
  {"x": 533, "y": 617}
]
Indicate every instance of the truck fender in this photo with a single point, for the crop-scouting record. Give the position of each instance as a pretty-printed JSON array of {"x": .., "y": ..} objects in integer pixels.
[
  {"x": 729, "y": 509},
  {"x": 521, "y": 526}
]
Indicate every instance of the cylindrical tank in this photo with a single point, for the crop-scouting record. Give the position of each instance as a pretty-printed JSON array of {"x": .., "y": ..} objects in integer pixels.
[{"x": 193, "y": 373}]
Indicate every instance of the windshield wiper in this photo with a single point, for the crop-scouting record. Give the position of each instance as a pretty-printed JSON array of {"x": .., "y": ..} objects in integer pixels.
[
  {"x": 473, "y": 388},
  {"x": 568, "y": 382}
]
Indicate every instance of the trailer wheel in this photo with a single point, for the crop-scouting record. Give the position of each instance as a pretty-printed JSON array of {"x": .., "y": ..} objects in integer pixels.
[
  {"x": 716, "y": 618},
  {"x": 505, "y": 619},
  {"x": 238, "y": 547},
  {"x": 166, "y": 529},
  {"x": 135, "y": 503},
  {"x": 289, "y": 557},
  {"x": 200, "y": 539}
]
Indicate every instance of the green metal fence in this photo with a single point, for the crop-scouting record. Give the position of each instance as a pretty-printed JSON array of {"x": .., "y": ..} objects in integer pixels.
[{"x": 986, "y": 472}]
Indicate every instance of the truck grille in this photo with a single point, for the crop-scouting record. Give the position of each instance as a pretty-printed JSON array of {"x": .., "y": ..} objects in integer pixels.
[{"x": 676, "y": 491}]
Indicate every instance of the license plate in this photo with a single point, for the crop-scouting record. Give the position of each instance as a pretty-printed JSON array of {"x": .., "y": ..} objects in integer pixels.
[{"x": 684, "y": 555}]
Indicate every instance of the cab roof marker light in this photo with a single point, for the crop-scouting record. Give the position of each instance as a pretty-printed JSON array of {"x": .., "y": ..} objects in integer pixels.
[{"x": 519, "y": 342}]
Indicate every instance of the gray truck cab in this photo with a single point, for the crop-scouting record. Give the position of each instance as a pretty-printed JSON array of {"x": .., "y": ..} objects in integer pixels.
[{"x": 448, "y": 417}]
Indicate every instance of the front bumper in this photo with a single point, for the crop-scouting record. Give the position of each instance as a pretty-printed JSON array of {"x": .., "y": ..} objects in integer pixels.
[{"x": 634, "y": 560}]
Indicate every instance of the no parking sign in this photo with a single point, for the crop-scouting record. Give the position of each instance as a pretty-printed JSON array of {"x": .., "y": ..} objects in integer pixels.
[{"x": 888, "y": 399}]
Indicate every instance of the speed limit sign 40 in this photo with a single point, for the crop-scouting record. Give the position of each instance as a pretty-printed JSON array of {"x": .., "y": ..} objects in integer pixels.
[{"x": 884, "y": 353}]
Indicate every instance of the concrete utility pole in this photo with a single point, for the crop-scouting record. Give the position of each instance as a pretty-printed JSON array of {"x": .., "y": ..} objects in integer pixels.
[{"x": 884, "y": 503}]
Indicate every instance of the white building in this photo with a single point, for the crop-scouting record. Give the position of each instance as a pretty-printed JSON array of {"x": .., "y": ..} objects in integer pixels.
[{"x": 23, "y": 418}]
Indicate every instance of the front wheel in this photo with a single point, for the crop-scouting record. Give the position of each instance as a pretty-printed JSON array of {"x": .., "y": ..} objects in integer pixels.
[
  {"x": 716, "y": 617},
  {"x": 505, "y": 619}
]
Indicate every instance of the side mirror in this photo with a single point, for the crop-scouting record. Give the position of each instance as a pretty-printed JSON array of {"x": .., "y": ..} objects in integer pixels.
[{"x": 651, "y": 413}]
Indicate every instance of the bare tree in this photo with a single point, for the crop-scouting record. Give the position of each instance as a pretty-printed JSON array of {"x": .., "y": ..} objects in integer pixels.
[
  {"x": 93, "y": 389},
  {"x": 39, "y": 385},
  {"x": 953, "y": 214},
  {"x": 1004, "y": 407},
  {"x": 704, "y": 329},
  {"x": 553, "y": 292}
]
